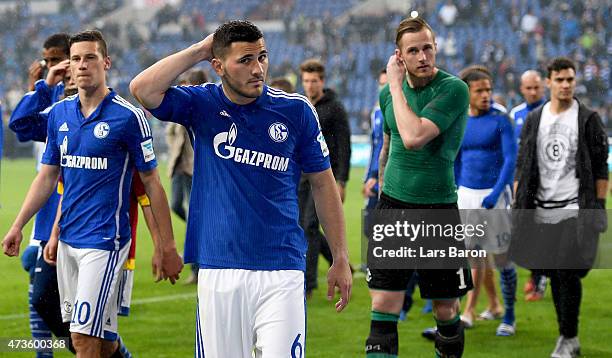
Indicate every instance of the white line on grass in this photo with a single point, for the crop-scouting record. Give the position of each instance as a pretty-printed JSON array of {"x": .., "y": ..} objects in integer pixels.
[{"x": 141, "y": 301}]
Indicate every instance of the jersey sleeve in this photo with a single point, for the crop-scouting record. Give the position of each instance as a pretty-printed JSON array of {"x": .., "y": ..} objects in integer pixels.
[
  {"x": 139, "y": 141},
  {"x": 178, "y": 105},
  {"x": 313, "y": 154},
  {"x": 26, "y": 120},
  {"x": 52, "y": 155},
  {"x": 382, "y": 103},
  {"x": 451, "y": 103}
]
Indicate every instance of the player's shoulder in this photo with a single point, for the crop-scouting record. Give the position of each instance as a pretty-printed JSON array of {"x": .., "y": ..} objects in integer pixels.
[
  {"x": 518, "y": 109},
  {"x": 451, "y": 82},
  {"x": 125, "y": 108},
  {"x": 288, "y": 102},
  {"x": 61, "y": 105},
  {"x": 203, "y": 88},
  {"x": 385, "y": 91},
  {"x": 498, "y": 109}
]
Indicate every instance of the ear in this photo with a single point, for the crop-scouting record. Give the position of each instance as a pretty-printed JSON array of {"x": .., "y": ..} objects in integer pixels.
[
  {"x": 547, "y": 81},
  {"x": 107, "y": 63},
  {"x": 398, "y": 54},
  {"x": 217, "y": 65}
]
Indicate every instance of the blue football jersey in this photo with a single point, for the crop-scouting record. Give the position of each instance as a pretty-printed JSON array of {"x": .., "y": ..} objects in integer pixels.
[
  {"x": 487, "y": 155},
  {"x": 26, "y": 120},
  {"x": 248, "y": 160},
  {"x": 97, "y": 156},
  {"x": 29, "y": 122},
  {"x": 519, "y": 114}
]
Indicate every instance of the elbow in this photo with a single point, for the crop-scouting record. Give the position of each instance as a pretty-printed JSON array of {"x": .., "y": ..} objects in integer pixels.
[
  {"x": 135, "y": 87},
  {"x": 413, "y": 144}
]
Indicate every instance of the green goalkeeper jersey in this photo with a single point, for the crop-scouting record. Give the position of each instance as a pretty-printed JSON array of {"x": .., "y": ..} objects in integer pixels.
[{"x": 426, "y": 175}]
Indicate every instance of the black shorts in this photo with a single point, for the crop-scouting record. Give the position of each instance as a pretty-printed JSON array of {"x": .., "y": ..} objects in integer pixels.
[{"x": 433, "y": 284}]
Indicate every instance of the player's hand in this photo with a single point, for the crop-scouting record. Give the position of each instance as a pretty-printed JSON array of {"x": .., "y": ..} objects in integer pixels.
[
  {"x": 368, "y": 188},
  {"x": 205, "y": 48},
  {"x": 490, "y": 201},
  {"x": 157, "y": 264},
  {"x": 12, "y": 241},
  {"x": 50, "y": 251},
  {"x": 57, "y": 73},
  {"x": 396, "y": 71},
  {"x": 35, "y": 73},
  {"x": 172, "y": 264},
  {"x": 339, "y": 275}
]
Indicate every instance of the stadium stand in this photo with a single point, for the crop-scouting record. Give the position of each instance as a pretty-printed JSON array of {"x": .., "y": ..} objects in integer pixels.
[{"x": 508, "y": 37}]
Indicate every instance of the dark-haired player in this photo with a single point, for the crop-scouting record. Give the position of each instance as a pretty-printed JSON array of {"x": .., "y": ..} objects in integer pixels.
[{"x": 251, "y": 144}]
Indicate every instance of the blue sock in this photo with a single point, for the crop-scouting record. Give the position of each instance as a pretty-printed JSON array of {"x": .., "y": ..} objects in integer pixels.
[
  {"x": 123, "y": 349},
  {"x": 38, "y": 326},
  {"x": 508, "y": 281}
]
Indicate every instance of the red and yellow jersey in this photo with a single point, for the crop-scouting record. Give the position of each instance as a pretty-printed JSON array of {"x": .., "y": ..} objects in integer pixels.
[{"x": 137, "y": 196}]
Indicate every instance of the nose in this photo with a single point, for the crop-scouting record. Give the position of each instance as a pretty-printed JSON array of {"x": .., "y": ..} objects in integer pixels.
[
  {"x": 82, "y": 64},
  {"x": 421, "y": 56},
  {"x": 258, "y": 68}
]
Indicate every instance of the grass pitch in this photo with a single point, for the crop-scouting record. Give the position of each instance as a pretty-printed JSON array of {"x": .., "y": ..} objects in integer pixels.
[{"x": 162, "y": 319}]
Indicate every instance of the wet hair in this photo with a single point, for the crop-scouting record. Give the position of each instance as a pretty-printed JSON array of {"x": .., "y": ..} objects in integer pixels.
[
  {"x": 412, "y": 25},
  {"x": 558, "y": 64},
  {"x": 475, "y": 73},
  {"x": 313, "y": 66},
  {"x": 91, "y": 36},
  {"x": 60, "y": 40},
  {"x": 233, "y": 31}
]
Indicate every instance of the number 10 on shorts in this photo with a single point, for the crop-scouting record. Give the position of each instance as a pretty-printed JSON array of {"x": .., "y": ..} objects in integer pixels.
[{"x": 81, "y": 312}]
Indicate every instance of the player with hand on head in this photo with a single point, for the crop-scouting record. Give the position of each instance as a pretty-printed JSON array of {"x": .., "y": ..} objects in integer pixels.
[
  {"x": 95, "y": 138},
  {"x": 425, "y": 112},
  {"x": 29, "y": 124},
  {"x": 252, "y": 143}
]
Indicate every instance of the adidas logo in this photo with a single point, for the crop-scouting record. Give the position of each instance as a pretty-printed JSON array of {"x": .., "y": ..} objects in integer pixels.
[
  {"x": 63, "y": 127},
  {"x": 224, "y": 114}
]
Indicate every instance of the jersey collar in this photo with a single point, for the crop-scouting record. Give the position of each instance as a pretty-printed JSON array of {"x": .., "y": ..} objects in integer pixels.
[
  {"x": 535, "y": 104},
  {"x": 82, "y": 120},
  {"x": 255, "y": 104}
]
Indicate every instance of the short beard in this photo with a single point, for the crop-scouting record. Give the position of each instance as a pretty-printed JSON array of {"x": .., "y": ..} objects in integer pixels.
[{"x": 226, "y": 80}]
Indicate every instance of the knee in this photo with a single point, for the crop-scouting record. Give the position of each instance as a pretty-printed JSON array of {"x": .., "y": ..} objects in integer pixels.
[
  {"x": 109, "y": 348},
  {"x": 445, "y": 310},
  {"x": 387, "y": 302},
  {"x": 85, "y": 343}
]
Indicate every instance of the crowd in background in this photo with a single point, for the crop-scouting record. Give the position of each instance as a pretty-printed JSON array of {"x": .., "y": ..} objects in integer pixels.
[{"x": 507, "y": 36}]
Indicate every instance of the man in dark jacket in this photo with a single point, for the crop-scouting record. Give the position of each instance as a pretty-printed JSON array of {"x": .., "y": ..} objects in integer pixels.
[
  {"x": 561, "y": 184},
  {"x": 333, "y": 120}
]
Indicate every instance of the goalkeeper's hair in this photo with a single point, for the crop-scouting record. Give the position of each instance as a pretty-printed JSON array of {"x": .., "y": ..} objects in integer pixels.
[
  {"x": 412, "y": 25},
  {"x": 233, "y": 31}
]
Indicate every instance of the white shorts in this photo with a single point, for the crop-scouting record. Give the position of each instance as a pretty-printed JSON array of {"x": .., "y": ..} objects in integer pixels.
[
  {"x": 245, "y": 314},
  {"x": 88, "y": 281},
  {"x": 498, "y": 220},
  {"x": 126, "y": 284}
]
